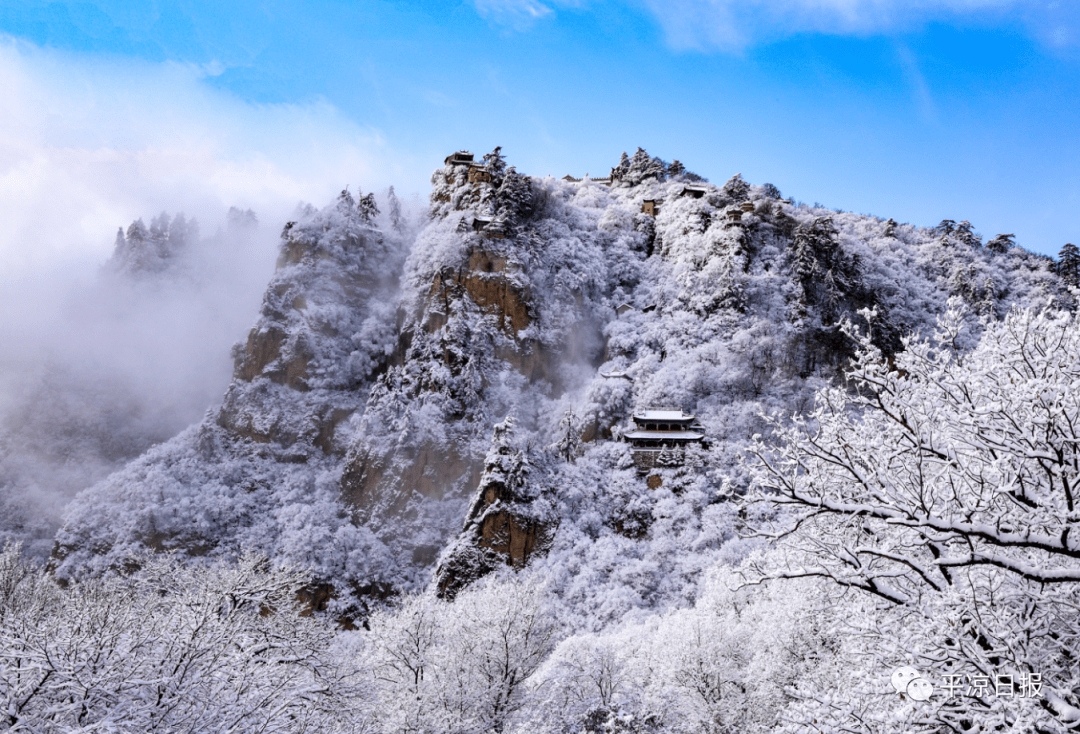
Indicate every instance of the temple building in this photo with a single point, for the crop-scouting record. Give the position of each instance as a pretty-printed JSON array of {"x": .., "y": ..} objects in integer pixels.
[
  {"x": 660, "y": 429},
  {"x": 695, "y": 191},
  {"x": 460, "y": 158}
]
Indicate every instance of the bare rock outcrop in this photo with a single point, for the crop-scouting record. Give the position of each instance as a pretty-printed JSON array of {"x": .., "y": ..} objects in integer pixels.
[{"x": 511, "y": 518}]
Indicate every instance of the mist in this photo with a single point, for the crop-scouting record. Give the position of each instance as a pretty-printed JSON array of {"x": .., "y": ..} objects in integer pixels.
[
  {"x": 100, "y": 364},
  {"x": 99, "y": 361}
]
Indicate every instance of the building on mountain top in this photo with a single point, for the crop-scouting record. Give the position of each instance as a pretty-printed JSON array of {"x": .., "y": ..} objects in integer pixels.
[
  {"x": 661, "y": 429},
  {"x": 695, "y": 190},
  {"x": 603, "y": 181},
  {"x": 617, "y": 375},
  {"x": 650, "y": 207},
  {"x": 460, "y": 158},
  {"x": 623, "y": 308}
]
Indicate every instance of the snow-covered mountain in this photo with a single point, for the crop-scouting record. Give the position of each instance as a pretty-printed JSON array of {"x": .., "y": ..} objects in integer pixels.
[{"x": 421, "y": 402}]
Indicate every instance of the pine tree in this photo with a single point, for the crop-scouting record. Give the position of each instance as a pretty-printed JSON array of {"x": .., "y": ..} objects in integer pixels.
[
  {"x": 345, "y": 202},
  {"x": 495, "y": 164},
  {"x": 159, "y": 250},
  {"x": 141, "y": 250},
  {"x": 394, "y": 207},
  {"x": 137, "y": 233},
  {"x": 638, "y": 166},
  {"x": 514, "y": 198},
  {"x": 656, "y": 169},
  {"x": 619, "y": 171},
  {"x": 1068, "y": 264},
  {"x": 988, "y": 303},
  {"x": 676, "y": 169},
  {"x": 244, "y": 218},
  {"x": 367, "y": 208},
  {"x": 736, "y": 188},
  {"x": 120, "y": 246},
  {"x": 182, "y": 232},
  {"x": 944, "y": 228},
  {"x": 159, "y": 227},
  {"x": 965, "y": 235},
  {"x": 1001, "y": 244},
  {"x": 569, "y": 441}
]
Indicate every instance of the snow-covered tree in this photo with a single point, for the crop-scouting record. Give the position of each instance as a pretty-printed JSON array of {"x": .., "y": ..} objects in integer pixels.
[
  {"x": 946, "y": 488},
  {"x": 944, "y": 228},
  {"x": 367, "y": 208},
  {"x": 168, "y": 648},
  {"x": 736, "y": 189},
  {"x": 619, "y": 172},
  {"x": 137, "y": 231},
  {"x": 1001, "y": 244},
  {"x": 569, "y": 443},
  {"x": 1068, "y": 264},
  {"x": 495, "y": 165},
  {"x": 394, "y": 210},
  {"x": 966, "y": 235},
  {"x": 239, "y": 219},
  {"x": 641, "y": 167},
  {"x": 183, "y": 232},
  {"x": 463, "y": 666},
  {"x": 514, "y": 198}
]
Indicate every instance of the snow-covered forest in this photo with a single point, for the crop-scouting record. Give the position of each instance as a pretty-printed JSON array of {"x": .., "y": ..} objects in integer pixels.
[{"x": 412, "y": 509}]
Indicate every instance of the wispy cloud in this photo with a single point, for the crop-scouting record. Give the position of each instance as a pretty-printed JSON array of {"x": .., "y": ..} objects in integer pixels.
[
  {"x": 920, "y": 89},
  {"x": 733, "y": 25},
  {"x": 516, "y": 14},
  {"x": 736, "y": 25},
  {"x": 88, "y": 145}
]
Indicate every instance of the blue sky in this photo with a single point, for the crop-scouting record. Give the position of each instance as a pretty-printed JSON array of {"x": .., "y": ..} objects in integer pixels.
[{"x": 918, "y": 110}]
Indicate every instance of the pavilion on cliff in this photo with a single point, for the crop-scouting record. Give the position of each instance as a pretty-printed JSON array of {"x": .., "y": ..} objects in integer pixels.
[{"x": 660, "y": 429}]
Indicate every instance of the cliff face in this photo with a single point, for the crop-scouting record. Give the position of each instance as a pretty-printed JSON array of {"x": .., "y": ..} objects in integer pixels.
[
  {"x": 511, "y": 519},
  {"x": 261, "y": 471},
  {"x": 356, "y": 436}
]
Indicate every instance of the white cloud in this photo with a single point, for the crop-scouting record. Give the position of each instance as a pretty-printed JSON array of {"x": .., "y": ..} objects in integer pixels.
[
  {"x": 88, "y": 145},
  {"x": 733, "y": 25},
  {"x": 516, "y": 14},
  {"x": 920, "y": 90}
]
